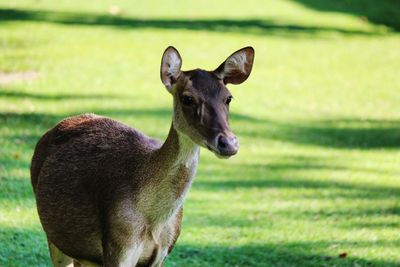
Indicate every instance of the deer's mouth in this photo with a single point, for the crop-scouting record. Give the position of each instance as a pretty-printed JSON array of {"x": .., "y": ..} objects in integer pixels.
[{"x": 222, "y": 154}]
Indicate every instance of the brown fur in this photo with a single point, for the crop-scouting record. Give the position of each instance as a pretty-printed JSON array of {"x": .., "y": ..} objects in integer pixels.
[{"x": 109, "y": 195}]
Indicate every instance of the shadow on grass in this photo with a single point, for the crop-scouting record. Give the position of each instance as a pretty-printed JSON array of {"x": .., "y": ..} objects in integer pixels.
[
  {"x": 345, "y": 133},
  {"x": 19, "y": 94},
  {"x": 27, "y": 119},
  {"x": 384, "y": 12},
  {"x": 23, "y": 247},
  {"x": 293, "y": 175},
  {"x": 374, "y": 225},
  {"x": 348, "y": 214},
  {"x": 242, "y": 26},
  {"x": 280, "y": 254},
  {"x": 15, "y": 190},
  {"x": 300, "y": 180}
]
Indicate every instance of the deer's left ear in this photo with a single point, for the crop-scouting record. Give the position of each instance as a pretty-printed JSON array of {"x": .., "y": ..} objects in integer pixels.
[{"x": 237, "y": 67}]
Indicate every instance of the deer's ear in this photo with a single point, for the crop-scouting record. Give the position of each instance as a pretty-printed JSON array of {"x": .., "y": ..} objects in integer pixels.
[
  {"x": 237, "y": 67},
  {"x": 170, "y": 67}
]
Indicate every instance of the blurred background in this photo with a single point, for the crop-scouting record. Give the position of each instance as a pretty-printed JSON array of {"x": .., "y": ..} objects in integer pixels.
[{"x": 316, "y": 182}]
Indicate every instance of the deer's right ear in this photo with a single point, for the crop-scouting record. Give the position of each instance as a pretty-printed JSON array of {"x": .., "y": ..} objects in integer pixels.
[{"x": 170, "y": 67}]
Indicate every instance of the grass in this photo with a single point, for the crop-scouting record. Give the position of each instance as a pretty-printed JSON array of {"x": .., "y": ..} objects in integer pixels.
[{"x": 318, "y": 120}]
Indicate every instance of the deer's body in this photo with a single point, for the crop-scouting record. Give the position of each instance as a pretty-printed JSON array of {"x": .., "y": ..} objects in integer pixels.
[
  {"x": 99, "y": 159},
  {"x": 107, "y": 195}
]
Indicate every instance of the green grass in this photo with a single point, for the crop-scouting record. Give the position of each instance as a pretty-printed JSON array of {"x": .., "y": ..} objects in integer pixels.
[{"x": 318, "y": 120}]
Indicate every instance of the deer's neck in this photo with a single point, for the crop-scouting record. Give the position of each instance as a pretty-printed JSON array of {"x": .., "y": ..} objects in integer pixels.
[
  {"x": 176, "y": 163},
  {"x": 178, "y": 151}
]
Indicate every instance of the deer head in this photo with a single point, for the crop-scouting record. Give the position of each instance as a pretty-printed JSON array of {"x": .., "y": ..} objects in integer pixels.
[{"x": 201, "y": 99}]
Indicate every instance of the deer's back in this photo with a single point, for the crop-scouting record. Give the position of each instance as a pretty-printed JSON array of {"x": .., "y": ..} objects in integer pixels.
[{"x": 79, "y": 169}]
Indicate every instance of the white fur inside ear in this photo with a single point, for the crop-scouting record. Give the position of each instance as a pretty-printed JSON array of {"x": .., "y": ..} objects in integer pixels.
[
  {"x": 170, "y": 67},
  {"x": 236, "y": 62},
  {"x": 173, "y": 64}
]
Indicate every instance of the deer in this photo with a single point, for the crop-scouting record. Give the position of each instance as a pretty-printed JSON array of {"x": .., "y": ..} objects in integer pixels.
[{"x": 108, "y": 195}]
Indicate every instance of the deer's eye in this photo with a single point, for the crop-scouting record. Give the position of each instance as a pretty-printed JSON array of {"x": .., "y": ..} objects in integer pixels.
[
  {"x": 228, "y": 100},
  {"x": 187, "y": 100}
]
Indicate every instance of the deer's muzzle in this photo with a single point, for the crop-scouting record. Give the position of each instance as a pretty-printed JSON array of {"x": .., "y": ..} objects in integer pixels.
[{"x": 224, "y": 145}]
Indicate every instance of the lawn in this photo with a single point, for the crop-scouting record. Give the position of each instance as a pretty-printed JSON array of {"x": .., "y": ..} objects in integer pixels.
[{"x": 317, "y": 178}]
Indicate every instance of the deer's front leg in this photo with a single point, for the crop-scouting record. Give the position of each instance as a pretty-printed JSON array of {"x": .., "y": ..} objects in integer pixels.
[
  {"x": 58, "y": 258},
  {"x": 117, "y": 254},
  {"x": 123, "y": 239},
  {"x": 167, "y": 239}
]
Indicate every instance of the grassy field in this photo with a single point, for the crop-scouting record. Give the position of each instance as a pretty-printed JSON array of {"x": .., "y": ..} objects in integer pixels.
[{"x": 318, "y": 173}]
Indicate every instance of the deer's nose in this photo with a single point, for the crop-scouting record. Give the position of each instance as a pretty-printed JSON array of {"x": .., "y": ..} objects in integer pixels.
[{"x": 227, "y": 145}]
